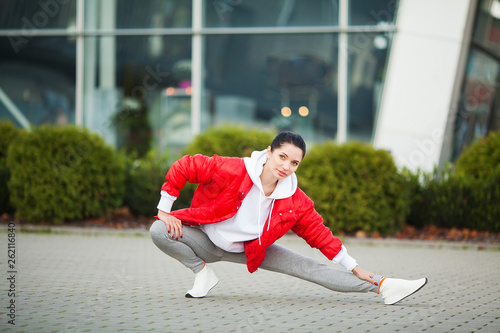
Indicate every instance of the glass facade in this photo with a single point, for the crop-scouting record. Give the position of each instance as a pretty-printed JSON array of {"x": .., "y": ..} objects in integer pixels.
[
  {"x": 30, "y": 16},
  {"x": 37, "y": 80},
  {"x": 479, "y": 106},
  {"x": 127, "y": 82},
  {"x": 157, "y": 72},
  {"x": 376, "y": 12},
  {"x": 276, "y": 13},
  {"x": 368, "y": 54},
  {"x": 133, "y": 14},
  {"x": 264, "y": 80}
]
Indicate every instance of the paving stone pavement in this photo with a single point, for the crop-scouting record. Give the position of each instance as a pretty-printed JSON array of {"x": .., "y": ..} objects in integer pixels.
[{"x": 109, "y": 281}]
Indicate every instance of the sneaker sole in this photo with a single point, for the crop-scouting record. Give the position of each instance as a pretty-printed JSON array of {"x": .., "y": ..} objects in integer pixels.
[
  {"x": 426, "y": 280},
  {"x": 188, "y": 295}
]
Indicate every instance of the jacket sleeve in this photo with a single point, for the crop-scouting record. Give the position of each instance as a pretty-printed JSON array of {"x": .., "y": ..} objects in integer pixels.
[
  {"x": 190, "y": 168},
  {"x": 310, "y": 227}
]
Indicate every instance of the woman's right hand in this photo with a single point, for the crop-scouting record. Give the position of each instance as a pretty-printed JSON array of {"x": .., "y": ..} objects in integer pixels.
[
  {"x": 364, "y": 275},
  {"x": 174, "y": 225}
]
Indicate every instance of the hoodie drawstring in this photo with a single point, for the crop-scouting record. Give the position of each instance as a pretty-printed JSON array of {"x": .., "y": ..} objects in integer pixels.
[
  {"x": 268, "y": 220},
  {"x": 270, "y": 212},
  {"x": 258, "y": 216}
]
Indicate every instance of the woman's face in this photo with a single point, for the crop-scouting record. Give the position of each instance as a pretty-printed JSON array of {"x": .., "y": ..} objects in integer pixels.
[{"x": 283, "y": 161}]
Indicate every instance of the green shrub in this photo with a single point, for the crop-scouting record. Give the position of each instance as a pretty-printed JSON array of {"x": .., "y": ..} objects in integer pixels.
[
  {"x": 8, "y": 132},
  {"x": 467, "y": 198},
  {"x": 418, "y": 196},
  {"x": 145, "y": 176},
  {"x": 482, "y": 158},
  {"x": 436, "y": 198},
  {"x": 448, "y": 199},
  {"x": 355, "y": 187},
  {"x": 229, "y": 141},
  {"x": 60, "y": 173}
]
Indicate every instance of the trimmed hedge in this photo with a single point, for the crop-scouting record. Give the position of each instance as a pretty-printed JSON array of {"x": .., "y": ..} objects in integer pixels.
[
  {"x": 230, "y": 141},
  {"x": 8, "y": 133},
  {"x": 62, "y": 173},
  {"x": 355, "y": 187}
]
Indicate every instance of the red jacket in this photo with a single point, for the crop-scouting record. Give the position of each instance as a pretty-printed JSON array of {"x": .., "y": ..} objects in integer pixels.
[{"x": 223, "y": 184}]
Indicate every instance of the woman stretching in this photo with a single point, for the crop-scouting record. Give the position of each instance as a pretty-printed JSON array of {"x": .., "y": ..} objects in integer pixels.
[{"x": 241, "y": 207}]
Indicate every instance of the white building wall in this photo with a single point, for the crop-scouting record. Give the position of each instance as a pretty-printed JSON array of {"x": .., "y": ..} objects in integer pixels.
[{"x": 420, "y": 80}]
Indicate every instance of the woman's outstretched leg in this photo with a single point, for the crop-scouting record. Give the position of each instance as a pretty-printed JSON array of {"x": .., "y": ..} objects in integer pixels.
[{"x": 282, "y": 260}]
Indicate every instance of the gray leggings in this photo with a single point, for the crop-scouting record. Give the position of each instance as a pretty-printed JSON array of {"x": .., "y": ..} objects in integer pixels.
[{"x": 195, "y": 248}]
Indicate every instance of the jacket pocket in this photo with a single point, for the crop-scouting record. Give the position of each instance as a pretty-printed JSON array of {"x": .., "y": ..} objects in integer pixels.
[
  {"x": 287, "y": 221},
  {"x": 286, "y": 215}
]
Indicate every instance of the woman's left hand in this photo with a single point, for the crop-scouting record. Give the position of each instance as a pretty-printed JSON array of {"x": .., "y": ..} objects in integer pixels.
[{"x": 364, "y": 275}]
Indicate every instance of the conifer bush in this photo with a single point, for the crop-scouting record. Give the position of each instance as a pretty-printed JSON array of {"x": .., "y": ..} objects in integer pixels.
[
  {"x": 355, "y": 187},
  {"x": 8, "y": 132},
  {"x": 63, "y": 173}
]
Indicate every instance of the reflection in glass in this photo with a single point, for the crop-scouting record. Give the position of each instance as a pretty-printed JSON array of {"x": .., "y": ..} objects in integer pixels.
[
  {"x": 372, "y": 12},
  {"x": 265, "y": 13},
  {"x": 33, "y": 15},
  {"x": 487, "y": 25},
  {"x": 475, "y": 110},
  {"x": 137, "y": 96},
  {"x": 137, "y": 89},
  {"x": 38, "y": 81},
  {"x": 367, "y": 64},
  {"x": 262, "y": 81},
  {"x": 133, "y": 14}
]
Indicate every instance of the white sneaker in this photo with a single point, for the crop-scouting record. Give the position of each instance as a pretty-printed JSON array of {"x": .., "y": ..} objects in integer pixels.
[
  {"x": 204, "y": 280},
  {"x": 395, "y": 290}
]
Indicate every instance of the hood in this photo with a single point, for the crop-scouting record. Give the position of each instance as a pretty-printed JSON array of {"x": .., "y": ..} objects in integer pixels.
[{"x": 255, "y": 164}]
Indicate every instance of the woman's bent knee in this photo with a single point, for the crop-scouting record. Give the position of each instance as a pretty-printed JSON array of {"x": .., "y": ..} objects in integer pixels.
[{"x": 158, "y": 229}]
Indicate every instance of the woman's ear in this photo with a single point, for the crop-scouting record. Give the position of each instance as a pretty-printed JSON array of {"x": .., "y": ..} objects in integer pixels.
[{"x": 268, "y": 152}]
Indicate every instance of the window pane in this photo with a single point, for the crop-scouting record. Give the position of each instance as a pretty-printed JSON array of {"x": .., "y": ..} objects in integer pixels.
[
  {"x": 133, "y": 14},
  {"x": 265, "y": 13},
  {"x": 372, "y": 12},
  {"x": 476, "y": 110},
  {"x": 487, "y": 26},
  {"x": 31, "y": 15},
  {"x": 273, "y": 82},
  {"x": 367, "y": 64},
  {"x": 38, "y": 78},
  {"x": 137, "y": 91}
]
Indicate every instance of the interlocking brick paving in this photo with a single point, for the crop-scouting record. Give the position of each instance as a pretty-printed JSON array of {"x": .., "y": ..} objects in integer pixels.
[{"x": 112, "y": 281}]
